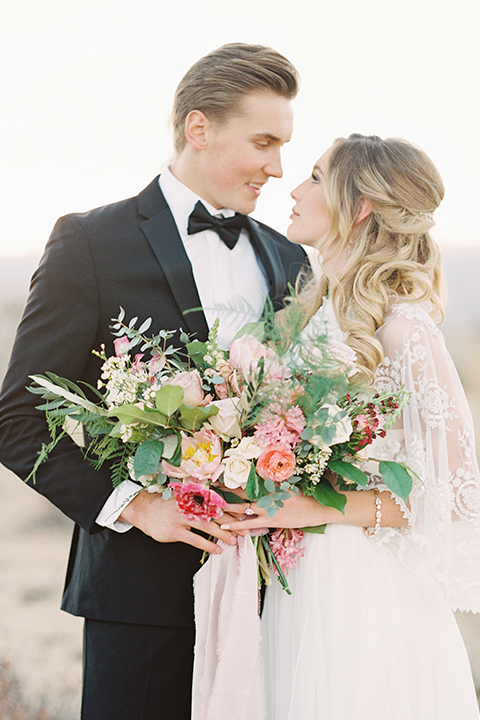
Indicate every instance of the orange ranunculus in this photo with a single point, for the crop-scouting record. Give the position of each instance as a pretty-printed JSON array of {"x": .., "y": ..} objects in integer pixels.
[{"x": 277, "y": 463}]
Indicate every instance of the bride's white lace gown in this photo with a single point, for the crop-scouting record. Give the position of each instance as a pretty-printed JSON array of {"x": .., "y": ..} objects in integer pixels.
[{"x": 368, "y": 632}]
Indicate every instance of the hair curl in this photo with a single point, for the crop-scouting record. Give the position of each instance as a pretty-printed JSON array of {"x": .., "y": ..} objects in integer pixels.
[{"x": 390, "y": 255}]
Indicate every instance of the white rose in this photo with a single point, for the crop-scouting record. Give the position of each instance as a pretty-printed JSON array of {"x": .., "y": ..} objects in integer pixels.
[
  {"x": 247, "y": 448},
  {"x": 343, "y": 427},
  {"x": 225, "y": 423},
  {"x": 237, "y": 470}
]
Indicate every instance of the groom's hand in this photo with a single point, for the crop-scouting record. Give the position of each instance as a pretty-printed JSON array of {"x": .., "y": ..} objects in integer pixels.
[{"x": 162, "y": 521}]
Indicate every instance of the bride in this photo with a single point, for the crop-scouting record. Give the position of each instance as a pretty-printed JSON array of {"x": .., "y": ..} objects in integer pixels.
[{"x": 368, "y": 631}]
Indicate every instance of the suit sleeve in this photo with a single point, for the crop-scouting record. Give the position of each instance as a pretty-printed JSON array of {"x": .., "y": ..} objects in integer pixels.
[{"x": 57, "y": 333}]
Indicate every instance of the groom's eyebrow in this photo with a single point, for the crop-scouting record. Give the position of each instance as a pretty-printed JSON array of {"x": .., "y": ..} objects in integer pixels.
[{"x": 265, "y": 136}]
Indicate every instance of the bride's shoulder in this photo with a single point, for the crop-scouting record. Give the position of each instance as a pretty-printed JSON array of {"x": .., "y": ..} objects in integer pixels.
[
  {"x": 409, "y": 317},
  {"x": 405, "y": 320}
]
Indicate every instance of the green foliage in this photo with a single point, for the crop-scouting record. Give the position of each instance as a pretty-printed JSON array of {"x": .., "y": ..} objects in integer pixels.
[
  {"x": 132, "y": 414},
  {"x": 397, "y": 478},
  {"x": 255, "y": 487},
  {"x": 194, "y": 417},
  {"x": 168, "y": 399},
  {"x": 328, "y": 496},
  {"x": 348, "y": 471},
  {"x": 147, "y": 457}
]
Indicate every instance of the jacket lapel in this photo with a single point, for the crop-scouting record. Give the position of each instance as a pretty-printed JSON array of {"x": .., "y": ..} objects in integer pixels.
[
  {"x": 162, "y": 234},
  {"x": 270, "y": 258}
]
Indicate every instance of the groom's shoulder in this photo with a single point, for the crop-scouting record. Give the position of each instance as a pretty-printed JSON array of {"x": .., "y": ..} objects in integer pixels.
[
  {"x": 147, "y": 201},
  {"x": 279, "y": 240}
]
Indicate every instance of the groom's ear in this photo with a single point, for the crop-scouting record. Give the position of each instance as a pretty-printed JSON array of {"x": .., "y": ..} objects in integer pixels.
[
  {"x": 196, "y": 127},
  {"x": 365, "y": 210}
]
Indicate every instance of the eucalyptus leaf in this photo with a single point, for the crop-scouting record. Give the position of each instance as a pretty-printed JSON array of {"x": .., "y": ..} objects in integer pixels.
[
  {"x": 269, "y": 485},
  {"x": 145, "y": 325},
  {"x": 307, "y": 433}
]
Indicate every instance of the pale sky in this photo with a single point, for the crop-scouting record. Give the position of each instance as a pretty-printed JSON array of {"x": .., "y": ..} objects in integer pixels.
[{"x": 86, "y": 92}]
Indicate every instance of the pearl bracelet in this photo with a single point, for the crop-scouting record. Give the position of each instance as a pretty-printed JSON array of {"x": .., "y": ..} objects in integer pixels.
[{"x": 372, "y": 531}]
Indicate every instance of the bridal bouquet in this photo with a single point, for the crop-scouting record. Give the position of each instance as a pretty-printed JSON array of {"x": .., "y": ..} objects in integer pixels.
[{"x": 260, "y": 420}]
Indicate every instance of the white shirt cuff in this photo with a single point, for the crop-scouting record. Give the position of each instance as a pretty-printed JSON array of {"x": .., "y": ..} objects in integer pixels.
[{"x": 116, "y": 503}]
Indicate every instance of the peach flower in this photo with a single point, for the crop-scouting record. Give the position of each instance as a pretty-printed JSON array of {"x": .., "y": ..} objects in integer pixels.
[{"x": 277, "y": 463}]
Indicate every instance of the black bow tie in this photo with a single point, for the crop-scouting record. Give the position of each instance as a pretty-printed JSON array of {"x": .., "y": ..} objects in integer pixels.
[{"x": 227, "y": 228}]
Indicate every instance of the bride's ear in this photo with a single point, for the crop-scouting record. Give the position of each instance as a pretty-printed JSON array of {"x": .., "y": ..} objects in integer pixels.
[{"x": 365, "y": 210}]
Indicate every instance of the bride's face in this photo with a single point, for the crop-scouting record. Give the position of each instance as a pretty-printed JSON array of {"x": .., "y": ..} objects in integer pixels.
[{"x": 310, "y": 218}]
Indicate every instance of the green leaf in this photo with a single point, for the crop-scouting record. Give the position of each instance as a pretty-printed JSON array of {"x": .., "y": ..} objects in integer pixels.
[
  {"x": 176, "y": 457},
  {"x": 230, "y": 497},
  {"x": 169, "y": 398},
  {"x": 257, "y": 329},
  {"x": 147, "y": 458},
  {"x": 396, "y": 478},
  {"x": 349, "y": 471},
  {"x": 61, "y": 392},
  {"x": 129, "y": 414},
  {"x": 196, "y": 351},
  {"x": 326, "y": 495},
  {"x": 255, "y": 488},
  {"x": 194, "y": 417},
  {"x": 318, "y": 529},
  {"x": 51, "y": 405}
]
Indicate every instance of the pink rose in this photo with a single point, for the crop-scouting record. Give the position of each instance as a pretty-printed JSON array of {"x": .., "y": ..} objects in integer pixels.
[
  {"x": 276, "y": 463},
  {"x": 191, "y": 384},
  {"x": 197, "y": 502},
  {"x": 201, "y": 457},
  {"x": 246, "y": 351}
]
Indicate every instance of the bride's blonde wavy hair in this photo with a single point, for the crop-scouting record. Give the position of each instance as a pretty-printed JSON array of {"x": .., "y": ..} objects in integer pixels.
[{"x": 389, "y": 255}]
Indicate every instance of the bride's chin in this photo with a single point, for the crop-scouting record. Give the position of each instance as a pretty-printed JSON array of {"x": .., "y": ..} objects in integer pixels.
[{"x": 292, "y": 236}]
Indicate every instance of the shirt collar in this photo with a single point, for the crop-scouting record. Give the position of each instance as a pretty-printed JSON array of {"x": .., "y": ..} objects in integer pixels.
[{"x": 181, "y": 200}]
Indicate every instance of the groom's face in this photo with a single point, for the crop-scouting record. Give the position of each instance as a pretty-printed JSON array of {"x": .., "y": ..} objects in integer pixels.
[{"x": 243, "y": 153}]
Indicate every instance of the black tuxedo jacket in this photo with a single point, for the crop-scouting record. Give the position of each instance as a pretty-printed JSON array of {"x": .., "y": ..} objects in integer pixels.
[{"x": 127, "y": 254}]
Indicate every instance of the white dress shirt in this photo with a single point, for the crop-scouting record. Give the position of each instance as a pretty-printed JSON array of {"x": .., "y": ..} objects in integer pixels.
[{"x": 231, "y": 285}]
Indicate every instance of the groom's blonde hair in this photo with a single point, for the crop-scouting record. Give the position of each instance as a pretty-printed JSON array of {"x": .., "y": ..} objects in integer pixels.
[{"x": 217, "y": 83}]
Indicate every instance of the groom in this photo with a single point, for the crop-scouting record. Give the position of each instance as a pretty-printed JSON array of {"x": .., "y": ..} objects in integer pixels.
[{"x": 156, "y": 255}]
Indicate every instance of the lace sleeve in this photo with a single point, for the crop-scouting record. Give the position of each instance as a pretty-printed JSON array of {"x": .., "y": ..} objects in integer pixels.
[{"x": 439, "y": 447}]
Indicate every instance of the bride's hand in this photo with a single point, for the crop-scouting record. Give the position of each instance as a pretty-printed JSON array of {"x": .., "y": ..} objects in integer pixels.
[{"x": 298, "y": 511}]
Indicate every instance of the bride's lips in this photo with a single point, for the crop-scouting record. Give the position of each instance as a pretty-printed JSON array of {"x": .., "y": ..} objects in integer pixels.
[{"x": 294, "y": 214}]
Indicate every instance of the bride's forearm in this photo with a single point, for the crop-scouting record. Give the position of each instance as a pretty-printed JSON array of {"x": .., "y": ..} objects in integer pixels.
[
  {"x": 301, "y": 511},
  {"x": 360, "y": 509}
]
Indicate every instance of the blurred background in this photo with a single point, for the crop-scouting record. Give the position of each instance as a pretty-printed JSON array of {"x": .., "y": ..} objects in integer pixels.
[{"x": 86, "y": 94}]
